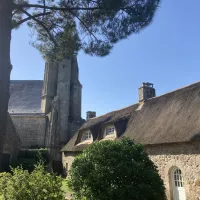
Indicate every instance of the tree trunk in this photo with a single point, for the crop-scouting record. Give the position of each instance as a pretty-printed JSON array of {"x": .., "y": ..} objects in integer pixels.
[{"x": 5, "y": 64}]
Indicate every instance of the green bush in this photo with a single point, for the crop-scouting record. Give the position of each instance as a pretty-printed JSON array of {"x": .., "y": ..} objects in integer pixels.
[
  {"x": 37, "y": 185},
  {"x": 33, "y": 153},
  {"x": 111, "y": 170},
  {"x": 27, "y": 159}
]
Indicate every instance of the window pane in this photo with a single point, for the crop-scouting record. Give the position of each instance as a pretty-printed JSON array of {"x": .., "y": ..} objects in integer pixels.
[
  {"x": 178, "y": 179},
  {"x": 110, "y": 130},
  {"x": 176, "y": 183},
  {"x": 87, "y": 135}
]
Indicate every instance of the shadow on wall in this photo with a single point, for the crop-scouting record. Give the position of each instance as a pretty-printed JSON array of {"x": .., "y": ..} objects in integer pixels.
[
  {"x": 196, "y": 137},
  {"x": 5, "y": 162},
  {"x": 11, "y": 146}
]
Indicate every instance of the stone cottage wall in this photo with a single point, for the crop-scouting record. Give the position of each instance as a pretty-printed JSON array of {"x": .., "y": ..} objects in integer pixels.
[
  {"x": 31, "y": 130},
  {"x": 184, "y": 156},
  {"x": 67, "y": 160}
]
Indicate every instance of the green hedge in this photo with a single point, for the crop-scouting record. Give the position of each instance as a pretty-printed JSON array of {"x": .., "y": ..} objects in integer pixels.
[{"x": 29, "y": 158}]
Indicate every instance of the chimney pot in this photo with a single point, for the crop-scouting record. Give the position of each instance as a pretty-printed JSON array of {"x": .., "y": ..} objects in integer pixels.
[
  {"x": 146, "y": 91},
  {"x": 90, "y": 114}
]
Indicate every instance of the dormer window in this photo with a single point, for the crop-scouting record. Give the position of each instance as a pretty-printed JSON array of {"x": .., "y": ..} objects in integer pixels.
[
  {"x": 87, "y": 135},
  {"x": 109, "y": 131}
]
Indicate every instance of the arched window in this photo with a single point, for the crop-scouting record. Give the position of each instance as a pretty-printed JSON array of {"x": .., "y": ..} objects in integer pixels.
[
  {"x": 178, "y": 179},
  {"x": 178, "y": 190}
]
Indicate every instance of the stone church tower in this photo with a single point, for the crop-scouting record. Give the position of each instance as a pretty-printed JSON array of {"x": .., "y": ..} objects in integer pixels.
[{"x": 61, "y": 103}]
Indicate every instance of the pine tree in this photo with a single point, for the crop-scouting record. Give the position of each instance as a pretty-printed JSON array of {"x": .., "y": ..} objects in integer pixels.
[{"x": 92, "y": 25}]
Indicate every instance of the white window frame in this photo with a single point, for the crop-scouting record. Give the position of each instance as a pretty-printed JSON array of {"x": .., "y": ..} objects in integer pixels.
[
  {"x": 177, "y": 183},
  {"x": 87, "y": 135},
  {"x": 178, "y": 178},
  {"x": 109, "y": 130}
]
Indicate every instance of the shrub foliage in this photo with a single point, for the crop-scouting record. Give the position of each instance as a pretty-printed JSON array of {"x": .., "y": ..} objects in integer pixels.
[
  {"x": 116, "y": 170},
  {"x": 27, "y": 159},
  {"x": 37, "y": 185}
]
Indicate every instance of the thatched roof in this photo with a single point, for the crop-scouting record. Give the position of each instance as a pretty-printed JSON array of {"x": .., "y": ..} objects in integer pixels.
[
  {"x": 171, "y": 118},
  {"x": 25, "y": 96},
  {"x": 119, "y": 118}
]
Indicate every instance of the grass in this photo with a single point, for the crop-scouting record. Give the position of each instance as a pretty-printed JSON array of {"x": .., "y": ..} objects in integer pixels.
[
  {"x": 1, "y": 197},
  {"x": 64, "y": 187}
]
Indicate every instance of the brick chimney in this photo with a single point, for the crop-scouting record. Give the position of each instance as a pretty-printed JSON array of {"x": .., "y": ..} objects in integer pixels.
[
  {"x": 90, "y": 114},
  {"x": 146, "y": 91}
]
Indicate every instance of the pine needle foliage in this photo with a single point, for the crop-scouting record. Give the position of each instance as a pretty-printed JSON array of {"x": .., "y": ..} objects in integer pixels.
[{"x": 63, "y": 27}]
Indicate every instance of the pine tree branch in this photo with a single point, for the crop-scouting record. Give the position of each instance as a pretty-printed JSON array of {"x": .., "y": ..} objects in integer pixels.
[
  {"x": 29, "y": 18},
  {"x": 87, "y": 28},
  {"x": 44, "y": 2},
  {"x": 14, "y": 12},
  {"x": 56, "y": 8},
  {"x": 59, "y": 8},
  {"x": 41, "y": 24}
]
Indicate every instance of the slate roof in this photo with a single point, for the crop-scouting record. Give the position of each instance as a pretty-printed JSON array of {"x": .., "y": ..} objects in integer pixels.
[
  {"x": 25, "y": 96},
  {"x": 171, "y": 118}
]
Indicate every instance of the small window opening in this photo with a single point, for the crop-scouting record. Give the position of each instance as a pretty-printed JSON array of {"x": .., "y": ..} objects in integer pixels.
[
  {"x": 110, "y": 130},
  {"x": 87, "y": 136}
]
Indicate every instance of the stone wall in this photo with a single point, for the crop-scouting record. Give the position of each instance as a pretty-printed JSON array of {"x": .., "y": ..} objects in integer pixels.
[
  {"x": 31, "y": 130},
  {"x": 74, "y": 125},
  {"x": 67, "y": 160},
  {"x": 63, "y": 93},
  {"x": 11, "y": 146},
  {"x": 12, "y": 141},
  {"x": 185, "y": 156}
]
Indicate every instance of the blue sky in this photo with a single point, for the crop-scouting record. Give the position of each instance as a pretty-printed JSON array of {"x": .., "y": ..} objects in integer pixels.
[{"x": 166, "y": 53}]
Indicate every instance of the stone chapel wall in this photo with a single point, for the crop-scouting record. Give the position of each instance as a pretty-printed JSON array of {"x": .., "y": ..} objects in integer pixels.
[
  {"x": 12, "y": 141},
  {"x": 31, "y": 130}
]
